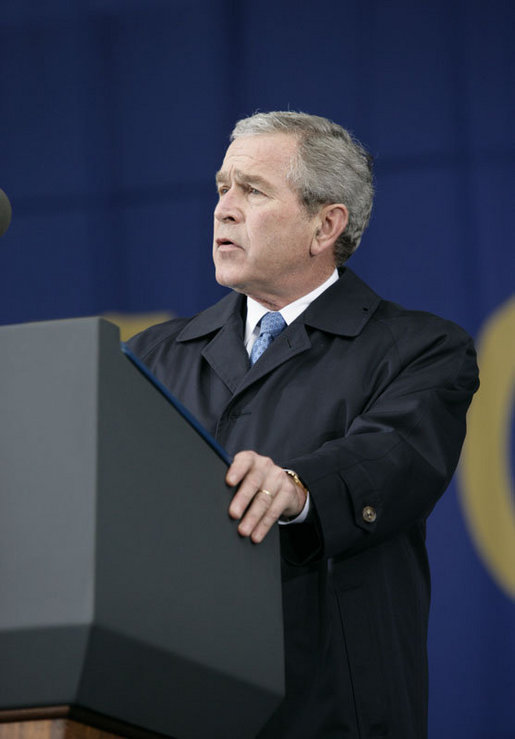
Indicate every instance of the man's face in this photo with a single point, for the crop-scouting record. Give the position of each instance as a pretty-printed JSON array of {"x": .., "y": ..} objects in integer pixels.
[{"x": 262, "y": 234}]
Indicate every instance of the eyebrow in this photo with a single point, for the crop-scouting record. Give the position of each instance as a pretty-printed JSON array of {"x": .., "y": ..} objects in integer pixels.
[{"x": 242, "y": 178}]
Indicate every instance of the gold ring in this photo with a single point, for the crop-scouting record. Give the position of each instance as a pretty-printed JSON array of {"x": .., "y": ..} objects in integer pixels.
[{"x": 266, "y": 492}]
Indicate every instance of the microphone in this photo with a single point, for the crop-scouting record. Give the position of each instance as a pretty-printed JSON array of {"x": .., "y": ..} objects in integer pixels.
[{"x": 5, "y": 212}]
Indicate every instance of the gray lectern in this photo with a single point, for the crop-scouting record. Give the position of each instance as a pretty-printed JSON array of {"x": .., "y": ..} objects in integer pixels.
[{"x": 125, "y": 590}]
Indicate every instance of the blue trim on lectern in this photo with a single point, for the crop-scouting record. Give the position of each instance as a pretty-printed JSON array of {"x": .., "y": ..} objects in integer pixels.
[{"x": 176, "y": 404}]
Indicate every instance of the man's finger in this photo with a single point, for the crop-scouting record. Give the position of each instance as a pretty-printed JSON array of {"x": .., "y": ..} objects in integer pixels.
[
  {"x": 250, "y": 490},
  {"x": 263, "y": 527},
  {"x": 241, "y": 465},
  {"x": 259, "y": 507}
]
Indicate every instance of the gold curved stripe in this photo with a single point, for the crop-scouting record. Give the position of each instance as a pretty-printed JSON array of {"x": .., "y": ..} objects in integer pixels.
[
  {"x": 485, "y": 471},
  {"x": 132, "y": 323}
]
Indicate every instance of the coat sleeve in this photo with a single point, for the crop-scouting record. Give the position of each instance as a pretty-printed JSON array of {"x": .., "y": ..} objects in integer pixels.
[{"x": 398, "y": 455}]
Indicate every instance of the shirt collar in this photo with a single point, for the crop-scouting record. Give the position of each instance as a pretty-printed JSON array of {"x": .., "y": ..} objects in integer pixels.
[{"x": 256, "y": 311}]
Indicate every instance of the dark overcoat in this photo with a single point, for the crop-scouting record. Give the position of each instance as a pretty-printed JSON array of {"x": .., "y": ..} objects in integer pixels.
[{"x": 367, "y": 402}]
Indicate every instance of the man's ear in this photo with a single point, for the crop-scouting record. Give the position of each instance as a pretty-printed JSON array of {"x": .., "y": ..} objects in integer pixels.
[{"x": 331, "y": 221}]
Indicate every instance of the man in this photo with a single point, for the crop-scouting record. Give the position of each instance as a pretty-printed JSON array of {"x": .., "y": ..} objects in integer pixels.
[{"x": 345, "y": 414}]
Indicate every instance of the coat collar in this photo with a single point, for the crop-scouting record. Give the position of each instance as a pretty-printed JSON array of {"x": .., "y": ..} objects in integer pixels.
[
  {"x": 343, "y": 309},
  {"x": 229, "y": 309}
]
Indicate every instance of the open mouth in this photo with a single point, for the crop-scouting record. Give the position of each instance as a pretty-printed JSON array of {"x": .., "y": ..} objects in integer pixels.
[{"x": 226, "y": 243}]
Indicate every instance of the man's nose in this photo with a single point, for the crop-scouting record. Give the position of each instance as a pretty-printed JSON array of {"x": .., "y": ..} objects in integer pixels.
[{"x": 228, "y": 207}]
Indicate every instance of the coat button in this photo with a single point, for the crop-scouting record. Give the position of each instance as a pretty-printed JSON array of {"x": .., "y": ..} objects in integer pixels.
[{"x": 369, "y": 514}]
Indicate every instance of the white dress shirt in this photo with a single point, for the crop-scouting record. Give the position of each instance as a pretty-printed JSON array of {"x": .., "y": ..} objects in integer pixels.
[{"x": 256, "y": 311}]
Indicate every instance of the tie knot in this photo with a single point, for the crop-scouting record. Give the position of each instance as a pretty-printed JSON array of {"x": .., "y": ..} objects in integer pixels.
[
  {"x": 271, "y": 326},
  {"x": 272, "y": 323}
]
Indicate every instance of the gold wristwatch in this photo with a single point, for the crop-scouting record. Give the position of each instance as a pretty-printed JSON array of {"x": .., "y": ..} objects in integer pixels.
[{"x": 296, "y": 479}]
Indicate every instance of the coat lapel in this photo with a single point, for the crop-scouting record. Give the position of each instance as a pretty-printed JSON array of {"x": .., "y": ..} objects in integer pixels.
[
  {"x": 292, "y": 341},
  {"x": 227, "y": 355},
  {"x": 220, "y": 328}
]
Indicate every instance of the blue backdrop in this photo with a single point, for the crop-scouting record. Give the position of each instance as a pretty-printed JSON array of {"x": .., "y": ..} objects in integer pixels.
[{"x": 114, "y": 116}]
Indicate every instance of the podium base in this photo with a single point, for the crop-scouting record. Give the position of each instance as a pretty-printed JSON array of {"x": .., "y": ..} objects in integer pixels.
[
  {"x": 58, "y": 728},
  {"x": 66, "y": 722}
]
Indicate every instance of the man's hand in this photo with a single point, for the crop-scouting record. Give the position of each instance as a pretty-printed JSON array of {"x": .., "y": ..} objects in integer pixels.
[{"x": 265, "y": 494}]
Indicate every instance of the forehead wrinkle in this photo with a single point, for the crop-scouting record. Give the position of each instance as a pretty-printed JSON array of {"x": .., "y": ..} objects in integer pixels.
[{"x": 244, "y": 178}]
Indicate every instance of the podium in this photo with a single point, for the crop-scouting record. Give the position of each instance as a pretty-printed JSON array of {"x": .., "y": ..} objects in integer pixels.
[{"x": 129, "y": 605}]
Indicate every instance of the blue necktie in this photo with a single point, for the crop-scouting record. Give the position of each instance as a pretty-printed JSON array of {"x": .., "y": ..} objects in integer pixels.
[{"x": 271, "y": 326}]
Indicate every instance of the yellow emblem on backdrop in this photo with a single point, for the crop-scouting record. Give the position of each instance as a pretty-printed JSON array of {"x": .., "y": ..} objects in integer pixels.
[
  {"x": 485, "y": 469},
  {"x": 132, "y": 323}
]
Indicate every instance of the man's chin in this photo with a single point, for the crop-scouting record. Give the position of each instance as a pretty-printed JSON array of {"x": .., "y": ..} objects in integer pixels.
[{"x": 226, "y": 279}]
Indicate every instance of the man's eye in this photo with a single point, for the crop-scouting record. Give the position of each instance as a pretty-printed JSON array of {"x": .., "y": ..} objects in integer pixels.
[
  {"x": 222, "y": 190},
  {"x": 254, "y": 191}
]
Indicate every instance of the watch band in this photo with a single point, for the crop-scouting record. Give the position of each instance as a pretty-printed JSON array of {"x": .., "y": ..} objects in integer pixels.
[{"x": 296, "y": 479}]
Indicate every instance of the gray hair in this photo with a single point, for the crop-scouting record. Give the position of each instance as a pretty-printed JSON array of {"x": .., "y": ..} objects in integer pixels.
[{"x": 330, "y": 166}]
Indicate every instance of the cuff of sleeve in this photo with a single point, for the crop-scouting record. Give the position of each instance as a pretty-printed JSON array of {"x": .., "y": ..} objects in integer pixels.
[
  {"x": 341, "y": 501},
  {"x": 301, "y": 516},
  {"x": 302, "y": 544}
]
